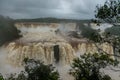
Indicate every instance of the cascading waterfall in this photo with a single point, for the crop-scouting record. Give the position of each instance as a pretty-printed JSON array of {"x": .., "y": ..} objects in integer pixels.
[
  {"x": 44, "y": 52},
  {"x": 93, "y": 48},
  {"x": 48, "y": 43},
  {"x": 51, "y": 53}
]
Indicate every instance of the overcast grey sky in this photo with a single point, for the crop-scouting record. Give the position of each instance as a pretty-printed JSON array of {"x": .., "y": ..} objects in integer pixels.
[{"x": 75, "y": 9}]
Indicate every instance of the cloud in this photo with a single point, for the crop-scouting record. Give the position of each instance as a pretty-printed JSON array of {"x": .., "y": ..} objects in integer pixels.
[{"x": 77, "y": 9}]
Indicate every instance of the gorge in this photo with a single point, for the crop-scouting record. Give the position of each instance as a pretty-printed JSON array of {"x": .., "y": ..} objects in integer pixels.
[
  {"x": 51, "y": 43},
  {"x": 39, "y": 41}
]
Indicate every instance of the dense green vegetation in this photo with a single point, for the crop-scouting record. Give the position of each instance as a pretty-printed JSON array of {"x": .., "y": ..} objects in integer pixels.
[
  {"x": 34, "y": 70},
  {"x": 7, "y": 30},
  {"x": 88, "y": 32},
  {"x": 109, "y": 12},
  {"x": 1, "y": 77},
  {"x": 115, "y": 30},
  {"x": 88, "y": 66}
]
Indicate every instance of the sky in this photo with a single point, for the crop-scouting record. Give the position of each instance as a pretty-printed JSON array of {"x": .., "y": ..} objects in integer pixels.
[{"x": 69, "y": 9}]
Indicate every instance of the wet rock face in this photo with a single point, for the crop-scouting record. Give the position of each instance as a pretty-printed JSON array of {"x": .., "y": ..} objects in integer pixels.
[{"x": 56, "y": 53}]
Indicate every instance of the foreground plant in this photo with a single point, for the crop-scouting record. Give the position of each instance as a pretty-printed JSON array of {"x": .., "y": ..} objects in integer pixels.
[
  {"x": 88, "y": 66},
  {"x": 35, "y": 70}
]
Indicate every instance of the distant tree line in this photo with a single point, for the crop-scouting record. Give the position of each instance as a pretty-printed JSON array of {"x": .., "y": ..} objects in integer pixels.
[{"x": 51, "y": 20}]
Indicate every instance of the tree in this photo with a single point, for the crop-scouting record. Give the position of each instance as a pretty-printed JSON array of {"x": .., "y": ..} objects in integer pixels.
[
  {"x": 88, "y": 66},
  {"x": 114, "y": 30},
  {"x": 35, "y": 70},
  {"x": 86, "y": 31},
  {"x": 109, "y": 12},
  {"x": 1, "y": 77}
]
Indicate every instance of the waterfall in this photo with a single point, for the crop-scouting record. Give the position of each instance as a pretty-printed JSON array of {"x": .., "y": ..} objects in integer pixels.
[
  {"x": 45, "y": 52},
  {"x": 41, "y": 42},
  {"x": 51, "y": 53}
]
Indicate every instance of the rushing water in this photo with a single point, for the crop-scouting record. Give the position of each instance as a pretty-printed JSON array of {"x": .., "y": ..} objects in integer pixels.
[{"x": 44, "y": 44}]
